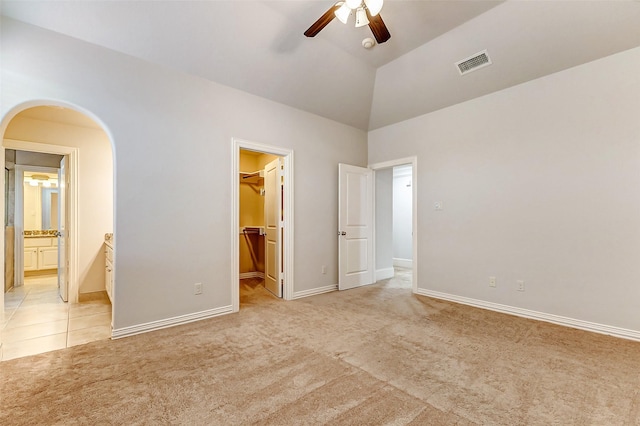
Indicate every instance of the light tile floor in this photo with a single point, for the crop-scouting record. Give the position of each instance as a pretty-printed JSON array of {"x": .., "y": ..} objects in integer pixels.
[{"x": 36, "y": 320}]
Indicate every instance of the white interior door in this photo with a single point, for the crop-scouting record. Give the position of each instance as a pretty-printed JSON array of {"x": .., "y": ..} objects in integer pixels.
[
  {"x": 63, "y": 280},
  {"x": 355, "y": 226},
  {"x": 273, "y": 227}
]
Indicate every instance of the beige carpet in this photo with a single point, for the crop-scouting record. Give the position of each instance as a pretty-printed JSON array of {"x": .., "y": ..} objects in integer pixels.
[{"x": 373, "y": 355}]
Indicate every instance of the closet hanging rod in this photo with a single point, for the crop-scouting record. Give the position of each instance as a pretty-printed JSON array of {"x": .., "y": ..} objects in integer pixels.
[{"x": 247, "y": 175}]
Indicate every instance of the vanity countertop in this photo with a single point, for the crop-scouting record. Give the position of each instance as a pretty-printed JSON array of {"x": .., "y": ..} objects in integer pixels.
[{"x": 41, "y": 234}]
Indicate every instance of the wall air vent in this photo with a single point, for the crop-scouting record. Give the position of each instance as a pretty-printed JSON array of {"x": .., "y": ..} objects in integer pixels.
[{"x": 474, "y": 62}]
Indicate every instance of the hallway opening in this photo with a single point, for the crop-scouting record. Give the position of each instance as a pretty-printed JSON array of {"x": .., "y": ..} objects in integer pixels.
[{"x": 395, "y": 236}]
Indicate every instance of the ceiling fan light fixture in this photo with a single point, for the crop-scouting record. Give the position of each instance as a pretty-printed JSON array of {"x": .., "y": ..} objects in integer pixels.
[
  {"x": 343, "y": 13},
  {"x": 353, "y": 4},
  {"x": 342, "y": 10},
  {"x": 361, "y": 17},
  {"x": 374, "y": 6}
]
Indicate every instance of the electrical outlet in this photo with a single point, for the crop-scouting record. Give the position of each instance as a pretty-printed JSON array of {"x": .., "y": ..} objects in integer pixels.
[
  {"x": 520, "y": 285},
  {"x": 323, "y": 269},
  {"x": 197, "y": 288},
  {"x": 492, "y": 281}
]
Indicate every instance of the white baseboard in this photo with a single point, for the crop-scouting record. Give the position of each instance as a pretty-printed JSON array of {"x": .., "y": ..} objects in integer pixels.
[
  {"x": 169, "y": 322},
  {"x": 383, "y": 274},
  {"x": 540, "y": 316},
  {"x": 315, "y": 291},
  {"x": 403, "y": 263},
  {"x": 254, "y": 274}
]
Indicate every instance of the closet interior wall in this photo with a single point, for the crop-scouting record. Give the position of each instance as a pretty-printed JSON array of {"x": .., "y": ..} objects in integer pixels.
[{"x": 251, "y": 220}]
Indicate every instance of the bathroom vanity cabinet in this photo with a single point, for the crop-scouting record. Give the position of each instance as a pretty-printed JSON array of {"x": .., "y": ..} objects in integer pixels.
[{"x": 40, "y": 253}]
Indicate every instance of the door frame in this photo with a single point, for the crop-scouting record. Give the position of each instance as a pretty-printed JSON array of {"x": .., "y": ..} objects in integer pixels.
[
  {"x": 413, "y": 161},
  {"x": 72, "y": 154},
  {"x": 287, "y": 251}
]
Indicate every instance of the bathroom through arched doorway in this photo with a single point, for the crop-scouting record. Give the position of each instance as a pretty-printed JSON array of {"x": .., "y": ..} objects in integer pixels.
[{"x": 35, "y": 319}]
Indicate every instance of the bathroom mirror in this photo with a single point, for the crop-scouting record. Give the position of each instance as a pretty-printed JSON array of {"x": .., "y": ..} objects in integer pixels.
[
  {"x": 40, "y": 205},
  {"x": 49, "y": 208}
]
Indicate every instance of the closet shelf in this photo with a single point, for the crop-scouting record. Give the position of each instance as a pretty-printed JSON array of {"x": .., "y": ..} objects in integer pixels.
[
  {"x": 257, "y": 230},
  {"x": 252, "y": 177}
]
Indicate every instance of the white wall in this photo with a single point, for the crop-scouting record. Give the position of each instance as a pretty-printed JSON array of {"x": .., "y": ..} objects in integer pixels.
[
  {"x": 95, "y": 188},
  {"x": 539, "y": 182},
  {"x": 172, "y": 135},
  {"x": 402, "y": 215}
]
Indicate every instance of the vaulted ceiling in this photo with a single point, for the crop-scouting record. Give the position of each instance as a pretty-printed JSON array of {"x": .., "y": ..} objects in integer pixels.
[{"x": 259, "y": 47}]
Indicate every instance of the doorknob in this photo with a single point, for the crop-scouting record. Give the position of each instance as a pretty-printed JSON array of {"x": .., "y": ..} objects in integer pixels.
[{"x": 342, "y": 233}]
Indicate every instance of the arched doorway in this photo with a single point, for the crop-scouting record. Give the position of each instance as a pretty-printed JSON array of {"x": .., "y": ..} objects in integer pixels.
[{"x": 32, "y": 135}]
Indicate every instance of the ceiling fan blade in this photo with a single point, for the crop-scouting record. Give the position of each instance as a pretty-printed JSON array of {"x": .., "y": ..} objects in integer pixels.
[
  {"x": 322, "y": 22},
  {"x": 378, "y": 28}
]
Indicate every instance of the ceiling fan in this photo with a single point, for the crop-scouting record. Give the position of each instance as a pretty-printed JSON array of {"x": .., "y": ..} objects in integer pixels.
[{"x": 367, "y": 13}]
